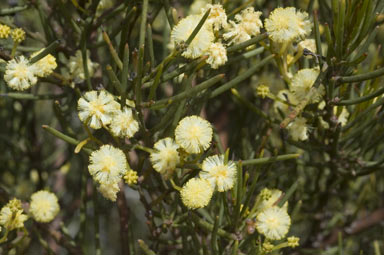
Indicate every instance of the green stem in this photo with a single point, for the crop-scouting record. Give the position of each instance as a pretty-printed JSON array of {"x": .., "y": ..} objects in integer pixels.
[{"x": 260, "y": 161}]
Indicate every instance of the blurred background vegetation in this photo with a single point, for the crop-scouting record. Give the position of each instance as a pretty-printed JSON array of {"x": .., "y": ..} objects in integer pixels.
[{"x": 337, "y": 206}]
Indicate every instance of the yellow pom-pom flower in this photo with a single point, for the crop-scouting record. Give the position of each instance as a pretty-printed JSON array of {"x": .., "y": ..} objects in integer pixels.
[
  {"x": 273, "y": 223},
  {"x": 108, "y": 164},
  {"x": 44, "y": 66},
  {"x": 18, "y": 35},
  {"x": 236, "y": 33},
  {"x": 287, "y": 24},
  {"x": 196, "y": 193},
  {"x": 130, "y": 177},
  {"x": 200, "y": 44},
  {"x": 293, "y": 241},
  {"x": 262, "y": 90},
  {"x": 97, "y": 108},
  {"x": 11, "y": 215},
  {"x": 220, "y": 175},
  {"x": 193, "y": 134},
  {"x": 109, "y": 190},
  {"x": 44, "y": 206},
  {"x": 20, "y": 74},
  {"x": 270, "y": 201},
  {"x": 217, "y": 55},
  {"x": 4, "y": 31},
  {"x": 123, "y": 123},
  {"x": 302, "y": 83},
  {"x": 298, "y": 129},
  {"x": 249, "y": 19},
  {"x": 217, "y": 16},
  {"x": 165, "y": 157}
]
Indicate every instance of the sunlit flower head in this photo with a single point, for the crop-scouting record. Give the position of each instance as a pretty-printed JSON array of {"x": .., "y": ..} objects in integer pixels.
[
  {"x": 20, "y": 74},
  {"x": 44, "y": 206},
  {"x": 76, "y": 67},
  {"x": 11, "y": 215},
  {"x": 196, "y": 193},
  {"x": 130, "y": 177},
  {"x": 4, "y": 31},
  {"x": 250, "y": 21},
  {"x": 123, "y": 123},
  {"x": 287, "y": 24},
  {"x": 273, "y": 223},
  {"x": 221, "y": 175},
  {"x": 109, "y": 190},
  {"x": 97, "y": 109},
  {"x": 165, "y": 156},
  {"x": 203, "y": 39},
  {"x": 217, "y": 16},
  {"x": 107, "y": 165},
  {"x": 271, "y": 200},
  {"x": 193, "y": 134},
  {"x": 44, "y": 66},
  {"x": 236, "y": 33},
  {"x": 302, "y": 83},
  {"x": 308, "y": 44},
  {"x": 298, "y": 129},
  {"x": 18, "y": 35},
  {"x": 293, "y": 241},
  {"x": 217, "y": 55}
]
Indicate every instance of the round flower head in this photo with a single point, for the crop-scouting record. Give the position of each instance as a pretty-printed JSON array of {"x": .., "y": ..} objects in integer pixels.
[
  {"x": 236, "y": 33},
  {"x": 217, "y": 55},
  {"x": 130, "y": 177},
  {"x": 18, "y": 35},
  {"x": 287, "y": 24},
  {"x": 165, "y": 157},
  {"x": 4, "y": 31},
  {"x": 273, "y": 223},
  {"x": 20, "y": 74},
  {"x": 302, "y": 83},
  {"x": 293, "y": 241},
  {"x": 44, "y": 206},
  {"x": 123, "y": 124},
  {"x": 97, "y": 108},
  {"x": 298, "y": 129},
  {"x": 108, "y": 164},
  {"x": 193, "y": 134},
  {"x": 44, "y": 66},
  {"x": 196, "y": 193},
  {"x": 309, "y": 44},
  {"x": 272, "y": 200},
  {"x": 217, "y": 16},
  {"x": 250, "y": 21},
  {"x": 218, "y": 173},
  {"x": 200, "y": 43},
  {"x": 109, "y": 190},
  {"x": 76, "y": 67},
  {"x": 11, "y": 215}
]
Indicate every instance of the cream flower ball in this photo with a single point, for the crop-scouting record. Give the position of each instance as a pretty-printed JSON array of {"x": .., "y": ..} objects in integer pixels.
[
  {"x": 221, "y": 176},
  {"x": 109, "y": 190},
  {"x": 165, "y": 157},
  {"x": 272, "y": 201},
  {"x": 108, "y": 164},
  {"x": 97, "y": 108},
  {"x": 123, "y": 123},
  {"x": 217, "y": 16},
  {"x": 194, "y": 134},
  {"x": 11, "y": 215},
  {"x": 204, "y": 38},
  {"x": 309, "y": 44},
  {"x": 20, "y": 74},
  {"x": 44, "y": 206},
  {"x": 196, "y": 193},
  {"x": 287, "y": 24},
  {"x": 302, "y": 83},
  {"x": 249, "y": 19},
  {"x": 236, "y": 33},
  {"x": 217, "y": 55},
  {"x": 44, "y": 66},
  {"x": 298, "y": 129},
  {"x": 273, "y": 223}
]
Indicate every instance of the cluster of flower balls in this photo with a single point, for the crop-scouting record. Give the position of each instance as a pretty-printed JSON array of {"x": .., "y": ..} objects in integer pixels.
[{"x": 43, "y": 207}]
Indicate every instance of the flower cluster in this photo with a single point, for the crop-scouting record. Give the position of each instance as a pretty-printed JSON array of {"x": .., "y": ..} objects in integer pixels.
[{"x": 44, "y": 206}]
